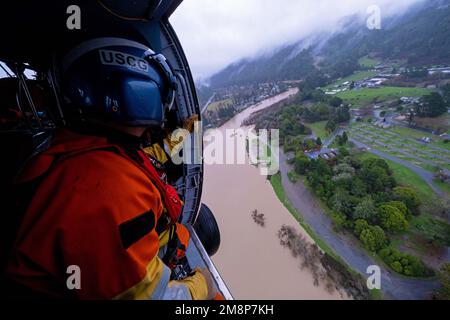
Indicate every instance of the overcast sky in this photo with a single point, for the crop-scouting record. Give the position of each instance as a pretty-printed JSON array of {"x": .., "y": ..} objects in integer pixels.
[{"x": 215, "y": 33}]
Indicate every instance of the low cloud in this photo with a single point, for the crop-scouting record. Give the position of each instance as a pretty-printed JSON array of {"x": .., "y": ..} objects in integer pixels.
[{"x": 215, "y": 33}]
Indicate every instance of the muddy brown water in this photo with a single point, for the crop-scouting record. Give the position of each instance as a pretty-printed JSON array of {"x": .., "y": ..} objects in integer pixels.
[{"x": 251, "y": 260}]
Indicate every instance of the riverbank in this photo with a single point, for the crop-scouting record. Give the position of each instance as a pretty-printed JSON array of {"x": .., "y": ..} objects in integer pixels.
[
  {"x": 251, "y": 260},
  {"x": 393, "y": 286}
]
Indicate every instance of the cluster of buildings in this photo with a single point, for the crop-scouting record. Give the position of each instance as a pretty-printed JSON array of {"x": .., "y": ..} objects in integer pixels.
[
  {"x": 260, "y": 93},
  {"x": 267, "y": 90},
  {"x": 339, "y": 88},
  {"x": 432, "y": 71},
  {"x": 409, "y": 100},
  {"x": 324, "y": 153},
  {"x": 371, "y": 82}
]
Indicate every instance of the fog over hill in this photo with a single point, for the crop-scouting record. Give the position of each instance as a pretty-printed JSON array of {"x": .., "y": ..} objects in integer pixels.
[
  {"x": 216, "y": 33},
  {"x": 419, "y": 36}
]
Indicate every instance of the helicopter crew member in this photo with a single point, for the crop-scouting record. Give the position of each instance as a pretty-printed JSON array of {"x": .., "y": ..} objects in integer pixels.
[{"x": 100, "y": 205}]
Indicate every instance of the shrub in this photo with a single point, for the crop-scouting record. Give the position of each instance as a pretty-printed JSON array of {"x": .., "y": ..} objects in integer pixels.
[
  {"x": 408, "y": 196},
  {"x": 400, "y": 206},
  {"x": 301, "y": 163},
  {"x": 360, "y": 226},
  {"x": 397, "y": 267},
  {"x": 373, "y": 238},
  {"x": 384, "y": 253},
  {"x": 365, "y": 209},
  {"x": 392, "y": 219},
  {"x": 404, "y": 263},
  {"x": 339, "y": 219}
]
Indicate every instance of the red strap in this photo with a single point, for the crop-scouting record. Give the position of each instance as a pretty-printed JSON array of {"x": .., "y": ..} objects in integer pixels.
[{"x": 170, "y": 196}]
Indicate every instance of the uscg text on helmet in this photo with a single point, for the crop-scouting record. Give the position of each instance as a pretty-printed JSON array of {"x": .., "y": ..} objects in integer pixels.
[{"x": 120, "y": 59}]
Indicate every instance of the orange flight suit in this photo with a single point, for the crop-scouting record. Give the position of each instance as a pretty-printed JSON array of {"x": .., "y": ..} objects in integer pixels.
[{"x": 97, "y": 209}]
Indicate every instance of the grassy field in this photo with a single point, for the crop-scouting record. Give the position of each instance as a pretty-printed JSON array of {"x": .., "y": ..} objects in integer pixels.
[
  {"x": 368, "y": 62},
  {"x": 368, "y": 95},
  {"x": 426, "y": 225},
  {"x": 319, "y": 129},
  {"x": 357, "y": 76},
  {"x": 443, "y": 186}
]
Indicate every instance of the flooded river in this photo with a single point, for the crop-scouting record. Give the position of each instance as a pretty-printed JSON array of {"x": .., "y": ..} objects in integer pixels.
[{"x": 251, "y": 260}]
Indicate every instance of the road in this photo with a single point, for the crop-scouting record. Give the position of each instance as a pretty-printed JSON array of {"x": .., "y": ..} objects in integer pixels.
[
  {"x": 393, "y": 285},
  {"x": 208, "y": 103}
]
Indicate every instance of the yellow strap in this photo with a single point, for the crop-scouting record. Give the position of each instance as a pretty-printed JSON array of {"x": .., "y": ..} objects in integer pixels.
[{"x": 157, "y": 153}]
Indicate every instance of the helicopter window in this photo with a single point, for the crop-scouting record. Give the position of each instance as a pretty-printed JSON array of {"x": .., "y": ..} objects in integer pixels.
[{"x": 5, "y": 72}]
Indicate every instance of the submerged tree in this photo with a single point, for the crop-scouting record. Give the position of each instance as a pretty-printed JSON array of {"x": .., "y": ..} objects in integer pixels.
[{"x": 259, "y": 218}]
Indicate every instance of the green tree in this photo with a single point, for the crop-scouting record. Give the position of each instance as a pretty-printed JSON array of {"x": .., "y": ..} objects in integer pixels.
[
  {"x": 373, "y": 238},
  {"x": 344, "y": 137},
  {"x": 318, "y": 141},
  {"x": 432, "y": 105},
  {"x": 397, "y": 266},
  {"x": 358, "y": 187},
  {"x": 331, "y": 126},
  {"x": 339, "y": 219},
  {"x": 408, "y": 196},
  {"x": 336, "y": 102},
  {"x": 343, "y": 152},
  {"x": 301, "y": 163},
  {"x": 360, "y": 226},
  {"x": 380, "y": 237},
  {"x": 377, "y": 176},
  {"x": 400, "y": 206},
  {"x": 446, "y": 93},
  {"x": 342, "y": 201},
  {"x": 365, "y": 210},
  {"x": 392, "y": 219}
]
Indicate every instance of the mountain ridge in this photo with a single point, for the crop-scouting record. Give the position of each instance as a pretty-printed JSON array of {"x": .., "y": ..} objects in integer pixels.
[{"x": 421, "y": 36}]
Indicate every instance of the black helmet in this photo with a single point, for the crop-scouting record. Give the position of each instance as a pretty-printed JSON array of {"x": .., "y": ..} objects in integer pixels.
[{"x": 115, "y": 79}]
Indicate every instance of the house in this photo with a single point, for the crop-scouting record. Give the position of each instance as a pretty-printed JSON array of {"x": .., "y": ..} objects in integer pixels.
[
  {"x": 324, "y": 153},
  {"x": 426, "y": 139}
]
